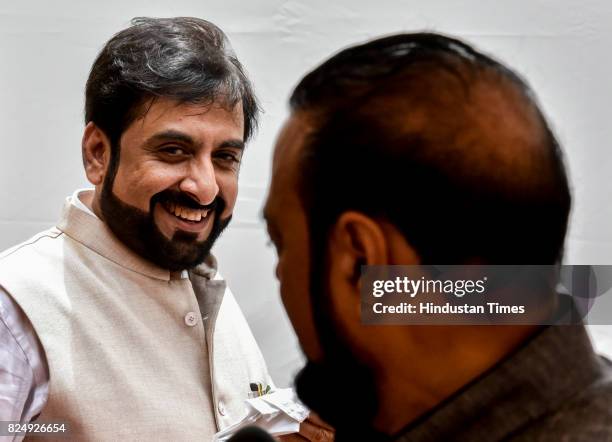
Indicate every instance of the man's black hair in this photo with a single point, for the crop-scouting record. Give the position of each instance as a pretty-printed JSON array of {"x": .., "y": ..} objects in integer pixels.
[
  {"x": 446, "y": 144},
  {"x": 186, "y": 59},
  {"x": 440, "y": 140}
]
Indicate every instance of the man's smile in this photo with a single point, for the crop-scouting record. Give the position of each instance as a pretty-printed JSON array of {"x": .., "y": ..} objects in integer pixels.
[
  {"x": 179, "y": 217},
  {"x": 186, "y": 213}
]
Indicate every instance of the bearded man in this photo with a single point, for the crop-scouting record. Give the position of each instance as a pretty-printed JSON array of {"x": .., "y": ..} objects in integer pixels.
[
  {"x": 116, "y": 321},
  {"x": 417, "y": 149}
]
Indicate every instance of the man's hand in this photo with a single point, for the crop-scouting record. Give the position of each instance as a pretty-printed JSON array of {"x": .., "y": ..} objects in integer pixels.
[{"x": 313, "y": 429}]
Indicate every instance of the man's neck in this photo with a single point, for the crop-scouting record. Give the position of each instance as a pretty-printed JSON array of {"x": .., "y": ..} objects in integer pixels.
[{"x": 446, "y": 358}]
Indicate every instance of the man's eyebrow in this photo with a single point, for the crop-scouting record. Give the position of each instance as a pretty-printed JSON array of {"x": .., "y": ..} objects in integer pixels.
[
  {"x": 174, "y": 135},
  {"x": 236, "y": 144},
  {"x": 171, "y": 135}
]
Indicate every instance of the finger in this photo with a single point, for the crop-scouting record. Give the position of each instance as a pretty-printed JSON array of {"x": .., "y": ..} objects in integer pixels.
[
  {"x": 315, "y": 433},
  {"x": 315, "y": 419}
]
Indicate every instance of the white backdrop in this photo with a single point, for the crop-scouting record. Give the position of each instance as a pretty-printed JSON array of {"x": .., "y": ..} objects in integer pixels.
[{"x": 46, "y": 50}]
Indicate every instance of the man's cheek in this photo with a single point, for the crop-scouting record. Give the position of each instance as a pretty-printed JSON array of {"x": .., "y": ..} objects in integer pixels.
[
  {"x": 229, "y": 198},
  {"x": 227, "y": 212},
  {"x": 290, "y": 295}
]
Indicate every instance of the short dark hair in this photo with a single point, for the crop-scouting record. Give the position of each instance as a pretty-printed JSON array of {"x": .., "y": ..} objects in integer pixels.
[
  {"x": 182, "y": 58},
  {"x": 403, "y": 132}
]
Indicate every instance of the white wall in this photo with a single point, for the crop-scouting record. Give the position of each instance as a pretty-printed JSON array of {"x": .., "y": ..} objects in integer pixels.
[{"x": 46, "y": 50}]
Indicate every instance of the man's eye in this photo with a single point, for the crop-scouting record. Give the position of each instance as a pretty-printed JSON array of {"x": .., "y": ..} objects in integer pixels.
[
  {"x": 174, "y": 151},
  {"x": 228, "y": 156}
]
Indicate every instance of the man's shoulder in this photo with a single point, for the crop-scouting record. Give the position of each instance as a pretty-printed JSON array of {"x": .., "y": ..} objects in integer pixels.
[
  {"x": 587, "y": 416},
  {"x": 32, "y": 252},
  {"x": 31, "y": 244}
]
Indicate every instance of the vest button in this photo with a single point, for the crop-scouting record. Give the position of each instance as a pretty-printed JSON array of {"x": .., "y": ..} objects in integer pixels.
[
  {"x": 191, "y": 319},
  {"x": 221, "y": 408}
]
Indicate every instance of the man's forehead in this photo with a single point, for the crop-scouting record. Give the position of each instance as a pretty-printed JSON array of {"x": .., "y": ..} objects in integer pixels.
[
  {"x": 291, "y": 142},
  {"x": 159, "y": 109},
  {"x": 285, "y": 167}
]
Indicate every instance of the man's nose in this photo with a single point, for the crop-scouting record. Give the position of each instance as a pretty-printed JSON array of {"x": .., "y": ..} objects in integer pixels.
[{"x": 200, "y": 182}]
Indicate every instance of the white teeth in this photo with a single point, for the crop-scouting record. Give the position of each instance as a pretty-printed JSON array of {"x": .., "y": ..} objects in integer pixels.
[{"x": 187, "y": 213}]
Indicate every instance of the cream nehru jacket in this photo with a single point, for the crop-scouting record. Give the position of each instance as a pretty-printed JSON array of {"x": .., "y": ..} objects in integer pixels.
[{"x": 134, "y": 353}]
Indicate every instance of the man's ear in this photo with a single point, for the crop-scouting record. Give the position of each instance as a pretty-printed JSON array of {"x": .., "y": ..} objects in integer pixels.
[
  {"x": 96, "y": 150},
  {"x": 357, "y": 240}
]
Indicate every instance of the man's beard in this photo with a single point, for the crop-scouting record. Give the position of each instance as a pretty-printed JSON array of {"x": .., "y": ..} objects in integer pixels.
[
  {"x": 340, "y": 388},
  {"x": 138, "y": 231},
  {"x": 342, "y": 392}
]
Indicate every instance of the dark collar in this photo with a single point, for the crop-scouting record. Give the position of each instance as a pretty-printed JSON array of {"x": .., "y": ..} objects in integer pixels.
[{"x": 538, "y": 378}]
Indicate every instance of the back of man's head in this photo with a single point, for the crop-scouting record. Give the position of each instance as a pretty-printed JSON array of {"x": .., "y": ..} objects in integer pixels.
[
  {"x": 443, "y": 142},
  {"x": 411, "y": 149}
]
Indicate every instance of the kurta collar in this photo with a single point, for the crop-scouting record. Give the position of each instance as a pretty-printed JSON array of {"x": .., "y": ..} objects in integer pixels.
[{"x": 94, "y": 234}]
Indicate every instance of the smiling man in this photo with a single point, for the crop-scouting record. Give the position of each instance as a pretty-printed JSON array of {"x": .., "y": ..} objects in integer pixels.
[{"x": 116, "y": 321}]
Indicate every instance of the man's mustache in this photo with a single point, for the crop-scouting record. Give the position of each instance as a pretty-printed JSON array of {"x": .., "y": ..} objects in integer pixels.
[{"x": 182, "y": 199}]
